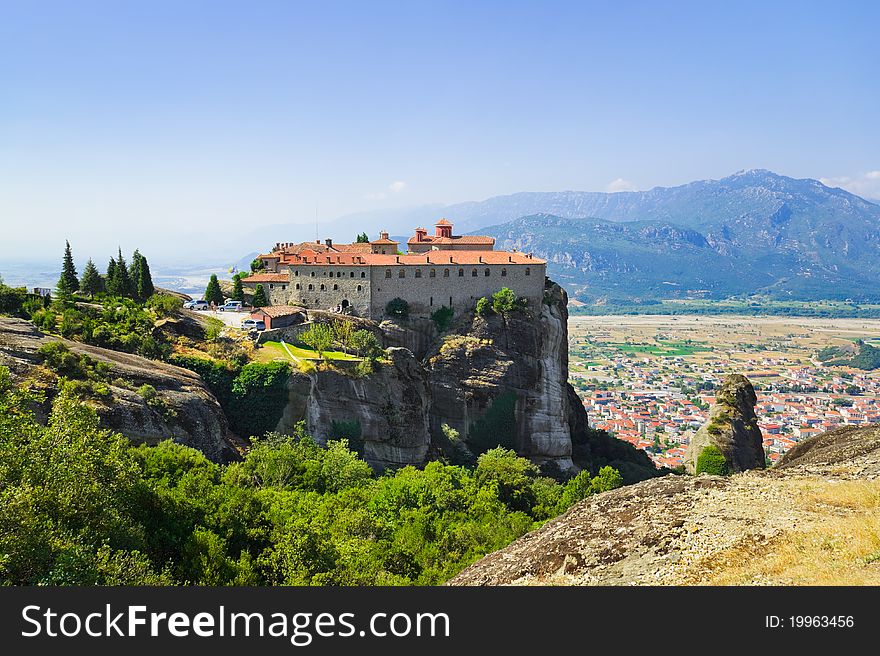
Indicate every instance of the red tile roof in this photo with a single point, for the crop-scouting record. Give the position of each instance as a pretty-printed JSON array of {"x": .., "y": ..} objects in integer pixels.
[
  {"x": 438, "y": 258},
  {"x": 455, "y": 239},
  {"x": 442, "y": 222},
  {"x": 384, "y": 241},
  {"x": 276, "y": 311},
  {"x": 266, "y": 277}
]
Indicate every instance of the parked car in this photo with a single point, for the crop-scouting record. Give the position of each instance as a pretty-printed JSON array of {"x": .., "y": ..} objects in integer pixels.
[
  {"x": 197, "y": 305},
  {"x": 231, "y": 306},
  {"x": 253, "y": 324}
]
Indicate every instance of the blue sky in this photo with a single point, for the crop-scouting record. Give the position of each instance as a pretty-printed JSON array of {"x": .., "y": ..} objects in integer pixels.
[{"x": 122, "y": 120}]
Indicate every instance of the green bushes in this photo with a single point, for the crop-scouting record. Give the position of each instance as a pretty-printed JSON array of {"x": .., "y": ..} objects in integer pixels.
[
  {"x": 442, "y": 318},
  {"x": 252, "y": 397},
  {"x": 398, "y": 308},
  {"x": 80, "y": 506},
  {"x": 712, "y": 461},
  {"x": 484, "y": 306}
]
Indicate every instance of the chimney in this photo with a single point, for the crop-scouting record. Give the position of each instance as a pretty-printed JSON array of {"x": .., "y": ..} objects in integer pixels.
[
  {"x": 450, "y": 260},
  {"x": 397, "y": 258},
  {"x": 383, "y": 235},
  {"x": 481, "y": 258},
  {"x": 329, "y": 243},
  {"x": 510, "y": 258}
]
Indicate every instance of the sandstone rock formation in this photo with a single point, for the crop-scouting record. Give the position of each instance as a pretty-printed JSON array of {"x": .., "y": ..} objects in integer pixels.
[
  {"x": 732, "y": 428},
  {"x": 809, "y": 520},
  {"x": 193, "y": 416},
  {"x": 391, "y": 407}
]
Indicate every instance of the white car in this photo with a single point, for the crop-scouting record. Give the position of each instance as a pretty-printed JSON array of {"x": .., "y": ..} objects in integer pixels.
[
  {"x": 253, "y": 324},
  {"x": 231, "y": 306},
  {"x": 197, "y": 305}
]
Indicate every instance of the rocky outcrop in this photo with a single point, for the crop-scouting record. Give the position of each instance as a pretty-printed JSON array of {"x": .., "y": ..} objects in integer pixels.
[
  {"x": 187, "y": 413},
  {"x": 519, "y": 360},
  {"x": 793, "y": 524},
  {"x": 732, "y": 428},
  {"x": 390, "y": 407}
]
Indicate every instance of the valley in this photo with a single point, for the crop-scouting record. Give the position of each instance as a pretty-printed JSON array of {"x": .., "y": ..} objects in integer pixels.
[{"x": 650, "y": 379}]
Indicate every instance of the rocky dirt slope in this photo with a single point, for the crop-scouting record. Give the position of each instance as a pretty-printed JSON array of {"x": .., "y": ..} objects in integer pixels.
[
  {"x": 814, "y": 519},
  {"x": 193, "y": 416}
]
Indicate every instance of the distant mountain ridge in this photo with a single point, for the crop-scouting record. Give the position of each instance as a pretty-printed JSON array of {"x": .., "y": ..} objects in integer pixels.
[{"x": 754, "y": 232}]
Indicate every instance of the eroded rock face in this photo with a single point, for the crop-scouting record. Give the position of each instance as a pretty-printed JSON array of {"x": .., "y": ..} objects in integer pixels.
[
  {"x": 732, "y": 427},
  {"x": 193, "y": 416},
  {"x": 390, "y": 405},
  {"x": 522, "y": 357}
]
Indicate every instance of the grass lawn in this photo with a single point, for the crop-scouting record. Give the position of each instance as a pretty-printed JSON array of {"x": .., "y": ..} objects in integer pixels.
[{"x": 275, "y": 351}]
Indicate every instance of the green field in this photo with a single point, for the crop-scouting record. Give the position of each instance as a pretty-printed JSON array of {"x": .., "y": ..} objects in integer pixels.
[
  {"x": 275, "y": 351},
  {"x": 661, "y": 348},
  {"x": 747, "y": 307}
]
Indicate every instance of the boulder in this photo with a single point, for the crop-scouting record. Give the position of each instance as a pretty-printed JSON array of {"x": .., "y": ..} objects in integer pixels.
[{"x": 732, "y": 428}]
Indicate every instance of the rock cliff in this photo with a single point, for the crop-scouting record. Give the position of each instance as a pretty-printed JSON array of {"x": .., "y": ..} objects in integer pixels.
[
  {"x": 494, "y": 379},
  {"x": 189, "y": 414},
  {"x": 811, "y": 520},
  {"x": 732, "y": 428}
]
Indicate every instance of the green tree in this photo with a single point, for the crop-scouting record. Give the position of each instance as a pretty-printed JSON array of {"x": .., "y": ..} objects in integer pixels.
[
  {"x": 91, "y": 282},
  {"x": 318, "y": 337},
  {"x": 260, "y": 299},
  {"x": 397, "y": 307},
  {"x": 237, "y": 289},
  {"x": 257, "y": 264},
  {"x": 504, "y": 301},
  {"x": 366, "y": 344},
  {"x": 144, "y": 279},
  {"x": 484, "y": 307},
  {"x": 363, "y": 238},
  {"x": 342, "y": 332},
  {"x": 69, "y": 282},
  {"x": 213, "y": 293}
]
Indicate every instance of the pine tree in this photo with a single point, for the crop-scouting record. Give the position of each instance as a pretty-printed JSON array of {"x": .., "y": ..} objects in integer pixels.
[
  {"x": 260, "y": 299},
  {"x": 69, "y": 282},
  {"x": 111, "y": 280},
  {"x": 237, "y": 290},
  {"x": 134, "y": 271},
  {"x": 91, "y": 282},
  {"x": 213, "y": 293},
  {"x": 144, "y": 280},
  {"x": 123, "y": 278},
  {"x": 363, "y": 238}
]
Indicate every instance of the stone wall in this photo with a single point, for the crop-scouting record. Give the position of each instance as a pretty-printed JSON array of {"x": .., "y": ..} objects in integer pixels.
[
  {"x": 323, "y": 287},
  {"x": 426, "y": 294}
]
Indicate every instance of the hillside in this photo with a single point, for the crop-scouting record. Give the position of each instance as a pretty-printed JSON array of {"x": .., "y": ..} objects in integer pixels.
[
  {"x": 754, "y": 232},
  {"x": 812, "y": 520}
]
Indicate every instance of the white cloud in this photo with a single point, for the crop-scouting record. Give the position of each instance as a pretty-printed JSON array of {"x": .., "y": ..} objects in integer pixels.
[
  {"x": 866, "y": 185},
  {"x": 395, "y": 188},
  {"x": 620, "y": 185}
]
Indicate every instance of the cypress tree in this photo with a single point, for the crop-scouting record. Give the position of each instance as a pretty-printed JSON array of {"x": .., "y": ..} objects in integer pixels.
[
  {"x": 111, "y": 280},
  {"x": 91, "y": 282},
  {"x": 237, "y": 290},
  {"x": 144, "y": 280},
  {"x": 260, "y": 299},
  {"x": 123, "y": 278},
  {"x": 213, "y": 293},
  {"x": 69, "y": 282},
  {"x": 134, "y": 271}
]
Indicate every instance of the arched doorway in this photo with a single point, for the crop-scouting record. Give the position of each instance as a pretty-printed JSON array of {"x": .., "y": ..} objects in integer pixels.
[{"x": 344, "y": 304}]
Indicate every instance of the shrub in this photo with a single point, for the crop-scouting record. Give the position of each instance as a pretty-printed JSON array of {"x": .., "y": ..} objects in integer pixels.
[
  {"x": 712, "y": 461},
  {"x": 484, "y": 307},
  {"x": 504, "y": 301},
  {"x": 366, "y": 344},
  {"x": 147, "y": 393},
  {"x": 397, "y": 307},
  {"x": 442, "y": 318}
]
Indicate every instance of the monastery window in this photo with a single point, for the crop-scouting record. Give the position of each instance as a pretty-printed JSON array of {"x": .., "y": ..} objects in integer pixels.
[
  {"x": 316, "y": 301},
  {"x": 461, "y": 273},
  {"x": 387, "y": 273},
  {"x": 271, "y": 286},
  {"x": 363, "y": 274},
  {"x": 418, "y": 273},
  {"x": 433, "y": 273},
  {"x": 473, "y": 273},
  {"x": 486, "y": 272},
  {"x": 432, "y": 301},
  {"x": 322, "y": 288},
  {"x": 283, "y": 286},
  {"x": 339, "y": 274},
  {"x": 445, "y": 273},
  {"x": 450, "y": 301},
  {"x": 297, "y": 285},
  {"x": 296, "y": 273},
  {"x": 311, "y": 287},
  {"x": 352, "y": 275},
  {"x": 402, "y": 273},
  {"x": 528, "y": 271},
  {"x": 313, "y": 274},
  {"x": 335, "y": 287},
  {"x": 360, "y": 288},
  {"x": 503, "y": 273}
]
